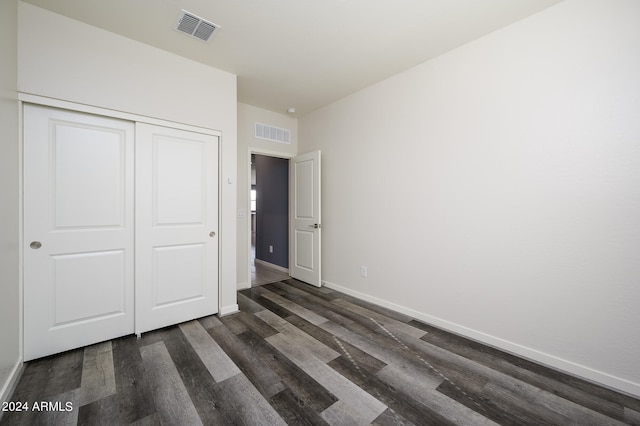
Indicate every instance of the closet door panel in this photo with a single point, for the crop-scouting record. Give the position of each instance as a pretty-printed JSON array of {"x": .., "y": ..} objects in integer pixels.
[
  {"x": 78, "y": 229},
  {"x": 176, "y": 226}
]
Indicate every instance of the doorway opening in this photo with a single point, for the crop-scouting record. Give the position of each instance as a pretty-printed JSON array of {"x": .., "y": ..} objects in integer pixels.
[{"x": 269, "y": 224}]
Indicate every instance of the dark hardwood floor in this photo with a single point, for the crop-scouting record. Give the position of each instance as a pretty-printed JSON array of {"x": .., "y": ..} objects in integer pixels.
[{"x": 297, "y": 354}]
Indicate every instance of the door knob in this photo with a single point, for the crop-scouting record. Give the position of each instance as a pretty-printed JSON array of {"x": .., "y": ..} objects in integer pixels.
[
  {"x": 212, "y": 234},
  {"x": 35, "y": 245},
  {"x": 315, "y": 226}
]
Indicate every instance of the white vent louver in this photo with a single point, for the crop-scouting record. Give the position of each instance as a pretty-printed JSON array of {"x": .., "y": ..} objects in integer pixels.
[
  {"x": 272, "y": 133},
  {"x": 195, "y": 26}
]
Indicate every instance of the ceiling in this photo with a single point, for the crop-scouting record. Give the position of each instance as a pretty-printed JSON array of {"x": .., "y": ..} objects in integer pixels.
[{"x": 304, "y": 53}]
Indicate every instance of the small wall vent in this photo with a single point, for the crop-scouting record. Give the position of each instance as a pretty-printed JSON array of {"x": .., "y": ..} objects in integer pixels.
[
  {"x": 273, "y": 134},
  {"x": 195, "y": 26}
]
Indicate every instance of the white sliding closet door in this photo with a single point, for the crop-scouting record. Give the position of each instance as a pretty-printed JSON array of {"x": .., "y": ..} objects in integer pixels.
[
  {"x": 176, "y": 226},
  {"x": 78, "y": 229}
]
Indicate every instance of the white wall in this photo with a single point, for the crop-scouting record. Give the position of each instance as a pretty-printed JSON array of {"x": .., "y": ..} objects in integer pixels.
[
  {"x": 65, "y": 59},
  {"x": 248, "y": 115},
  {"x": 495, "y": 190},
  {"x": 9, "y": 207}
]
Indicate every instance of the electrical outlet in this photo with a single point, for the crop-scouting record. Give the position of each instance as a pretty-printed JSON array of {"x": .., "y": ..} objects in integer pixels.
[
  {"x": 270, "y": 249},
  {"x": 363, "y": 271}
]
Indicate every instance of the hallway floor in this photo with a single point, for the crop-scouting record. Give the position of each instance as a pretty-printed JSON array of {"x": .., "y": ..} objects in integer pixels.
[{"x": 262, "y": 274}]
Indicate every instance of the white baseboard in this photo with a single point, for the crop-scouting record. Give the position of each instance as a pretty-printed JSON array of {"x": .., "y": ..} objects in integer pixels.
[
  {"x": 228, "y": 310},
  {"x": 12, "y": 380},
  {"x": 589, "y": 374},
  {"x": 271, "y": 265}
]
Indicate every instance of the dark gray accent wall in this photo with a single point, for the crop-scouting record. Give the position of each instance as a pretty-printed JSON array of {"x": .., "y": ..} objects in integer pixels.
[{"x": 272, "y": 209}]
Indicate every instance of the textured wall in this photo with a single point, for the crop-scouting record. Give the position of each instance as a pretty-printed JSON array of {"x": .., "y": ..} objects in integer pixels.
[{"x": 10, "y": 348}]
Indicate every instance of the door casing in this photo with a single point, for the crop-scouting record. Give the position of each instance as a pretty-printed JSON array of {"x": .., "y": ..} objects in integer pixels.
[
  {"x": 258, "y": 151},
  {"x": 268, "y": 153}
]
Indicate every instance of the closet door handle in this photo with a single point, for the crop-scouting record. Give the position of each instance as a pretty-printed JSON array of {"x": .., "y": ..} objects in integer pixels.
[
  {"x": 212, "y": 234},
  {"x": 35, "y": 245}
]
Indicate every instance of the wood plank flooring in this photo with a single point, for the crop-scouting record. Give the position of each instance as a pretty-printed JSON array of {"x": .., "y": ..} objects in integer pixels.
[{"x": 297, "y": 354}]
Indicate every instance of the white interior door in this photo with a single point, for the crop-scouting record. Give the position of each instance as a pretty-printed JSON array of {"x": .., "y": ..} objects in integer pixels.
[
  {"x": 176, "y": 226},
  {"x": 304, "y": 263},
  {"x": 78, "y": 229}
]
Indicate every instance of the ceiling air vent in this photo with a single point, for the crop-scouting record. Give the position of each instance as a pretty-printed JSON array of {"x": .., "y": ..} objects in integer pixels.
[
  {"x": 195, "y": 26},
  {"x": 273, "y": 134}
]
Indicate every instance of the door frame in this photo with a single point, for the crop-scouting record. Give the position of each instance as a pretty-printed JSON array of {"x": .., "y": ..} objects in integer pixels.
[{"x": 267, "y": 153}]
